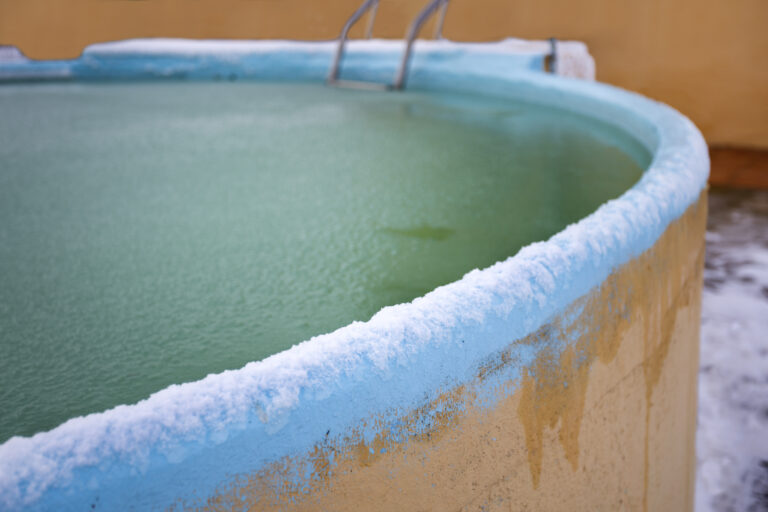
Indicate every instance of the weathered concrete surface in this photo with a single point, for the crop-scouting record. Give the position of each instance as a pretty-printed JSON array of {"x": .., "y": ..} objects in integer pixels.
[{"x": 606, "y": 423}]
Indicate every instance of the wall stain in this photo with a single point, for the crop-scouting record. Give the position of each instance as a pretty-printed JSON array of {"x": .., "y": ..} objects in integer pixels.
[{"x": 660, "y": 325}]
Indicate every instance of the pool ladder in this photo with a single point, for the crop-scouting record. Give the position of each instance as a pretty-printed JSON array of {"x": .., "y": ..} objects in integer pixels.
[{"x": 413, "y": 32}]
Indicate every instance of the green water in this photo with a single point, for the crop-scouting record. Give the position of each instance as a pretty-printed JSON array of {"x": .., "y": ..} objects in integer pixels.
[{"x": 152, "y": 233}]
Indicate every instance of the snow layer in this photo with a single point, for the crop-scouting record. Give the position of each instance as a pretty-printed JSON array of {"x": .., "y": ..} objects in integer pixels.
[
  {"x": 186, "y": 439},
  {"x": 11, "y": 54},
  {"x": 173, "y": 46},
  {"x": 732, "y": 439}
]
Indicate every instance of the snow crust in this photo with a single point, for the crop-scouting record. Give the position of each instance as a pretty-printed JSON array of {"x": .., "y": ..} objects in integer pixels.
[
  {"x": 174, "y": 46},
  {"x": 11, "y": 54},
  {"x": 190, "y": 437}
]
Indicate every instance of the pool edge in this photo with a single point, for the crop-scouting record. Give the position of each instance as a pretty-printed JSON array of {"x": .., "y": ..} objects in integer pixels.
[{"x": 268, "y": 398}]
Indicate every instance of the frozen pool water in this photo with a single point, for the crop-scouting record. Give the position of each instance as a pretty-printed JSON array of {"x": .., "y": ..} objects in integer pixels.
[{"x": 153, "y": 233}]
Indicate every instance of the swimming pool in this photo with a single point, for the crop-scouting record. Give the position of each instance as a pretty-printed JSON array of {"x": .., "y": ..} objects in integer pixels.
[{"x": 506, "y": 360}]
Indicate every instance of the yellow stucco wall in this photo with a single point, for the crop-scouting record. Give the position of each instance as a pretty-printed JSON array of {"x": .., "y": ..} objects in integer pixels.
[
  {"x": 608, "y": 423},
  {"x": 707, "y": 58}
]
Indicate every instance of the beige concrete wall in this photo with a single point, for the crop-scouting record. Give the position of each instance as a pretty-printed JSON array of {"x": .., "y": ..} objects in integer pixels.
[
  {"x": 606, "y": 424},
  {"x": 707, "y": 58}
]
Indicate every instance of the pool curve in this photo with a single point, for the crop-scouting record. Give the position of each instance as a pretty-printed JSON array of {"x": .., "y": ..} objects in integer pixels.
[{"x": 563, "y": 375}]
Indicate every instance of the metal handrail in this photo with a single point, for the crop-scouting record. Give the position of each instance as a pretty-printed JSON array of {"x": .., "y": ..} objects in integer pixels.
[
  {"x": 333, "y": 76},
  {"x": 371, "y": 19},
  {"x": 413, "y": 31},
  {"x": 441, "y": 21}
]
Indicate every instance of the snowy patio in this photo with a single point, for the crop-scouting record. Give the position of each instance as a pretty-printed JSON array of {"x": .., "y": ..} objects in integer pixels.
[{"x": 732, "y": 440}]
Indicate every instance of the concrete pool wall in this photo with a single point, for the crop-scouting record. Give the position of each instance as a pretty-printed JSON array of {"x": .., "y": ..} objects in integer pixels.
[{"x": 561, "y": 378}]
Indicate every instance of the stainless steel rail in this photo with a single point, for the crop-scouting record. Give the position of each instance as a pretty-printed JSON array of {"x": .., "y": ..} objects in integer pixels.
[
  {"x": 441, "y": 21},
  {"x": 373, "y": 5},
  {"x": 413, "y": 32}
]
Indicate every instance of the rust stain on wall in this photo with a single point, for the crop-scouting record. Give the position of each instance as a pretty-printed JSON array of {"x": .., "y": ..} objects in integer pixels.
[
  {"x": 600, "y": 422},
  {"x": 554, "y": 387}
]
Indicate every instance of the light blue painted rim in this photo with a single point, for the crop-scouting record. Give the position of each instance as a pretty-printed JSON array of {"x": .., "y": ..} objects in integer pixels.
[
  {"x": 149, "y": 59},
  {"x": 186, "y": 440}
]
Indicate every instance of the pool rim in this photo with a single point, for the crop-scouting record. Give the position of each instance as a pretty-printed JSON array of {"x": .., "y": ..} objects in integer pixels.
[{"x": 275, "y": 388}]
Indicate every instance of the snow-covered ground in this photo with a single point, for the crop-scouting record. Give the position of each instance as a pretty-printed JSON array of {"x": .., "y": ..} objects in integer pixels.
[{"x": 732, "y": 440}]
